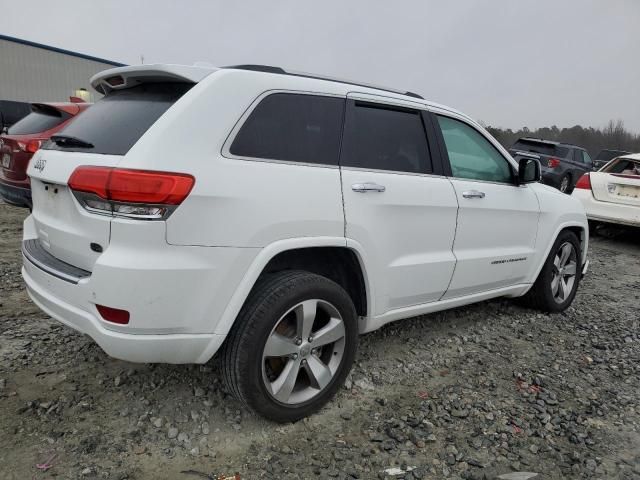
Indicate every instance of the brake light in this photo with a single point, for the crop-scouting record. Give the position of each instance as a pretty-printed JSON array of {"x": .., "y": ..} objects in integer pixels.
[
  {"x": 115, "y": 81},
  {"x": 584, "y": 182},
  {"x": 113, "y": 315},
  {"x": 553, "y": 162},
  {"x": 133, "y": 193},
  {"x": 32, "y": 146}
]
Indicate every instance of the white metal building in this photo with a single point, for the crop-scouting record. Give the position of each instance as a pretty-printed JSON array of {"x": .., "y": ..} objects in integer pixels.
[{"x": 32, "y": 72}]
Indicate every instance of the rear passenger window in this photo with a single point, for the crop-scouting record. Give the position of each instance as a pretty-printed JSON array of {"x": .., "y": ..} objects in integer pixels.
[
  {"x": 577, "y": 156},
  {"x": 292, "y": 127},
  {"x": 385, "y": 138},
  {"x": 561, "y": 152}
]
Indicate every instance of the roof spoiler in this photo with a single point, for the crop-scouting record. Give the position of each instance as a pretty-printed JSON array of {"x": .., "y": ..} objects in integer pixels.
[{"x": 126, "y": 77}]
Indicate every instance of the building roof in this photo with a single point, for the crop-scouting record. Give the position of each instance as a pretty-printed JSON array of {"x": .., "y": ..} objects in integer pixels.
[{"x": 60, "y": 50}]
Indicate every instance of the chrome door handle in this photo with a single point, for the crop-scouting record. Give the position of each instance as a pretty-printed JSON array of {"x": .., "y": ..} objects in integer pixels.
[
  {"x": 473, "y": 194},
  {"x": 367, "y": 187}
]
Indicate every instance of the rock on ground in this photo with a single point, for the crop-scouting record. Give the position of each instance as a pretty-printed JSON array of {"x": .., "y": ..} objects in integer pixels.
[{"x": 473, "y": 393}]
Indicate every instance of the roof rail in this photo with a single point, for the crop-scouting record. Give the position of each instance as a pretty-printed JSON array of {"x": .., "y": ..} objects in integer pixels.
[
  {"x": 282, "y": 71},
  {"x": 258, "y": 68}
]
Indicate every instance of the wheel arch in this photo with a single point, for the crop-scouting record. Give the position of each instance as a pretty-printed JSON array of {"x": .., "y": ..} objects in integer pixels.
[
  {"x": 581, "y": 231},
  {"x": 328, "y": 256}
]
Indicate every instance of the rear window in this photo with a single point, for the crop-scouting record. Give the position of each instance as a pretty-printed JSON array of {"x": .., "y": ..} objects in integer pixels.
[
  {"x": 116, "y": 122},
  {"x": 541, "y": 148},
  {"x": 623, "y": 166},
  {"x": 606, "y": 155},
  {"x": 292, "y": 127},
  {"x": 41, "y": 119}
]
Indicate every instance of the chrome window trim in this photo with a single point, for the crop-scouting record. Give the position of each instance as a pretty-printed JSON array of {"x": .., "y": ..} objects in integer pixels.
[
  {"x": 394, "y": 172},
  {"x": 489, "y": 182},
  {"x": 75, "y": 279},
  {"x": 386, "y": 100}
]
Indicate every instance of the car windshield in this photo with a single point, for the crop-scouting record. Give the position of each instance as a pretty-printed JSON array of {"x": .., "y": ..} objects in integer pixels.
[
  {"x": 41, "y": 119},
  {"x": 623, "y": 166}
]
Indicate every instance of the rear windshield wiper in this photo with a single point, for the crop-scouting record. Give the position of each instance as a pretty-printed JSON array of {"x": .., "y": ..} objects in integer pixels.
[{"x": 69, "y": 141}]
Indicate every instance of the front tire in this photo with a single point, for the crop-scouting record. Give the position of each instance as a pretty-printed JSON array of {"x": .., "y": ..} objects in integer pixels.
[
  {"x": 291, "y": 346},
  {"x": 557, "y": 284}
]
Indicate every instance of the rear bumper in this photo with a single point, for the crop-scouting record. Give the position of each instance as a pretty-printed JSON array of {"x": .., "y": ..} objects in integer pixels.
[
  {"x": 176, "y": 348},
  {"x": 18, "y": 196},
  {"x": 176, "y": 296},
  {"x": 608, "y": 211}
]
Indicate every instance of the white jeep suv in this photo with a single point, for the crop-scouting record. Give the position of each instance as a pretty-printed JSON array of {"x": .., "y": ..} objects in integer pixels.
[{"x": 274, "y": 217}]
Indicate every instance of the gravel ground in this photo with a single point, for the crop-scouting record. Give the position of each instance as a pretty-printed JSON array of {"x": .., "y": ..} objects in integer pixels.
[{"x": 472, "y": 393}]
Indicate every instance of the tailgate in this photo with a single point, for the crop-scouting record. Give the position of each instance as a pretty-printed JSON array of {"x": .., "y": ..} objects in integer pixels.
[
  {"x": 64, "y": 228},
  {"x": 616, "y": 188}
]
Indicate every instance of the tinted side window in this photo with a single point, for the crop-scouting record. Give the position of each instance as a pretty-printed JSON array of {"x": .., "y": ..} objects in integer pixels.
[
  {"x": 471, "y": 155},
  {"x": 292, "y": 127},
  {"x": 385, "y": 138},
  {"x": 587, "y": 158},
  {"x": 577, "y": 156},
  {"x": 561, "y": 152},
  {"x": 117, "y": 121}
]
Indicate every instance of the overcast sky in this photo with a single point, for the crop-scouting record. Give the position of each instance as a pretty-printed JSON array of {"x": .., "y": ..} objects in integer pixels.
[{"x": 509, "y": 63}]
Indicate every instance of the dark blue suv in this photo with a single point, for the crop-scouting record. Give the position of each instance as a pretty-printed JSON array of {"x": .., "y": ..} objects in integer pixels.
[{"x": 562, "y": 164}]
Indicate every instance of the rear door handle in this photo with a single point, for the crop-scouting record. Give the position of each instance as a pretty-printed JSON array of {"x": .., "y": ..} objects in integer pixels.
[
  {"x": 367, "y": 187},
  {"x": 473, "y": 194}
]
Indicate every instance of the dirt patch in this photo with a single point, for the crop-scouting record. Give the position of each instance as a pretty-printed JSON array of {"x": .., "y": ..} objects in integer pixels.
[{"x": 470, "y": 393}]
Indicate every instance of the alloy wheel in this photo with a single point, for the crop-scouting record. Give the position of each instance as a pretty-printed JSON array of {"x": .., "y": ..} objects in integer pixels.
[
  {"x": 303, "y": 352},
  {"x": 565, "y": 264}
]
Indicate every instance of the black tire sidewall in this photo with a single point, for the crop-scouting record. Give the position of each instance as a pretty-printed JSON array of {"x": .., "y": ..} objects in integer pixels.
[
  {"x": 306, "y": 286},
  {"x": 547, "y": 272}
]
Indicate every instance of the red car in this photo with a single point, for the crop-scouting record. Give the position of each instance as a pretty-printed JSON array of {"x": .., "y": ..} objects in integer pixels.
[{"x": 21, "y": 141}]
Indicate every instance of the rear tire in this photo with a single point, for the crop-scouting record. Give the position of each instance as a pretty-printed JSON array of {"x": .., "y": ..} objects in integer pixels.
[
  {"x": 557, "y": 284},
  {"x": 258, "y": 361}
]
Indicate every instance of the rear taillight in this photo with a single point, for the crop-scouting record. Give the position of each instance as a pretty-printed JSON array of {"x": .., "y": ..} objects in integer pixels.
[
  {"x": 142, "y": 194},
  {"x": 113, "y": 315},
  {"x": 553, "y": 162},
  {"x": 584, "y": 182},
  {"x": 33, "y": 146}
]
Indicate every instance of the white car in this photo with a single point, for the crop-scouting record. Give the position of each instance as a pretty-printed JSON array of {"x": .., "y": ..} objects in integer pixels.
[
  {"x": 275, "y": 217},
  {"x": 612, "y": 194}
]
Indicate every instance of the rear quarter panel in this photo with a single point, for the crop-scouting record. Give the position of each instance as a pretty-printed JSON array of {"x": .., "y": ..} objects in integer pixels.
[{"x": 239, "y": 203}]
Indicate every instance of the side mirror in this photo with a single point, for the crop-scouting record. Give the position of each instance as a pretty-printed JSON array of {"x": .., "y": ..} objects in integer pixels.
[{"x": 529, "y": 171}]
